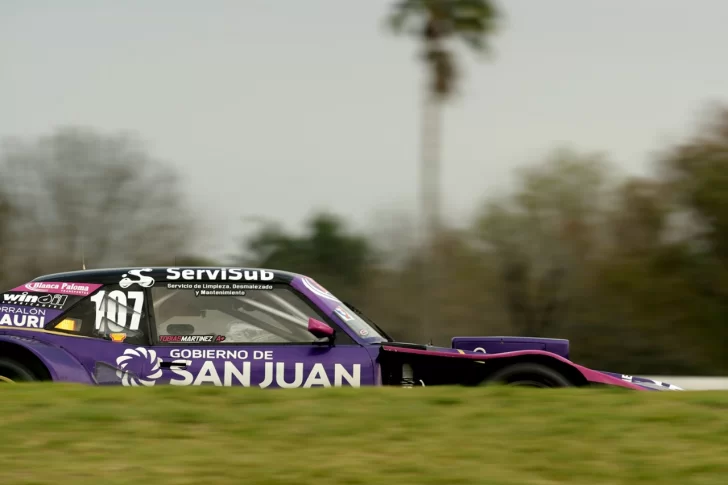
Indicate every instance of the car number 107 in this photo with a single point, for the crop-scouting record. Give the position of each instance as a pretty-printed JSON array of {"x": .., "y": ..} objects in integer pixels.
[{"x": 114, "y": 308}]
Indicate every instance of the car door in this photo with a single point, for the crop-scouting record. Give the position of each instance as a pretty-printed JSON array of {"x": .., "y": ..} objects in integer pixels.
[
  {"x": 252, "y": 338},
  {"x": 108, "y": 333}
]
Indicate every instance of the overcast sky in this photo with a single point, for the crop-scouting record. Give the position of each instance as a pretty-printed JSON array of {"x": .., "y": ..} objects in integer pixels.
[{"x": 279, "y": 108}]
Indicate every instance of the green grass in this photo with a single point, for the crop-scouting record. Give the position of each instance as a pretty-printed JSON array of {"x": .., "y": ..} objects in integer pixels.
[{"x": 57, "y": 434}]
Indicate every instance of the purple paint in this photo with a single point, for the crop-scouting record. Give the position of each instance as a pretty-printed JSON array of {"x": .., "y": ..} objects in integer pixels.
[
  {"x": 332, "y": 307},
  {"x": 317, "y": 289},
  {"x": 498, "y": 345}
]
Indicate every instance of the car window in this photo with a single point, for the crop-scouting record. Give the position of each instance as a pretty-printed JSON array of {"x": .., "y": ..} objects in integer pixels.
[
  {"x": 112, "y": 313},
  {"x": 197, "y": 313}
]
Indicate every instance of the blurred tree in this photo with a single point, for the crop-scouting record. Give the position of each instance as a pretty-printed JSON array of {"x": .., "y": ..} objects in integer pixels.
[
  {"x": 696, "y": 174},
  {"x": 186, "y": 260},
  {"x": 665, "y": 282},
  {"x": 545, "y": 236},
  {"x": 467, "y": 304},
  {"x": 93, "y": 197},
  {"x": 192, "y": 260},
  {"x": 640, "y": 218},
  {"x": 435, "y": 23},
  {"x": 326, "y": 251},
  {"x": 583, "y": 258},
  {"x": 641, "y": 299}
]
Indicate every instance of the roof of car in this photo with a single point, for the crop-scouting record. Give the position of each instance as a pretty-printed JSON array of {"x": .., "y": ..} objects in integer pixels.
[{"x": 113, "y": 275}]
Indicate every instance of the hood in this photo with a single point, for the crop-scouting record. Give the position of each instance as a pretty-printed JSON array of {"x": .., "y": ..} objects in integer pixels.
[
  {"x": 645, "y": 382},
  {"x": 498, "y": 345},
  {"x": 592, "y": 376}
]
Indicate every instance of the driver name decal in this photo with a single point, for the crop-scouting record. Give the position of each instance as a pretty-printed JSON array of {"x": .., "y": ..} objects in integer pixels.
[
  {"x": 190, "y": 339},
  {"x": 26, "y": 317}
]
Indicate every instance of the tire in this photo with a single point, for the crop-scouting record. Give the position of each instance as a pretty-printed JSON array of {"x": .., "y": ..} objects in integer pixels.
[
  {"x": 528, "y": 375},
  {"x": 13, "y": 371}
]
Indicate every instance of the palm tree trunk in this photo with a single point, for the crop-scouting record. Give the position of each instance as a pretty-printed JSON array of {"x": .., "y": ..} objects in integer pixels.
[{"x": 430, "y": 200}]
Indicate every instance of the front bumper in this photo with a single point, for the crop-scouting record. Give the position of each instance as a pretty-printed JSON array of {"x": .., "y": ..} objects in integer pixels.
[{"x": 644, "y": 382}]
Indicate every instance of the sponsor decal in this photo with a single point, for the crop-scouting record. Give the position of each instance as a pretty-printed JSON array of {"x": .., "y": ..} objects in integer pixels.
[
  {"x": 117, "y": 337},
  {"x": 139, "y": 357},
  {"x": 73, "y": 289},
  {"x": 358, "y": 326},
  {"x": 26, "y": 317},
  {"x": 187, "y": 339},
  {"x": 144, "y": 281},
  {"x": 119, "y": 310},
  {"x": 274, "y": 372},
  {"x": 218, "y": 289},
  {"x": 225, "y": 371},
  {"x": 220, "y": 354},
  {"x": 220, "y": 293},
  {"x": 221, "y": 274},
  {"x": 28, "y": 299},
  {"x": 318, "y": 289},
  {"x": 346, "y": 316}
]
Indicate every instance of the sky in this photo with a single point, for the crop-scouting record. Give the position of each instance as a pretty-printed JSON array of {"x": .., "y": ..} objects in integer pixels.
[{"x": 278, "y": 109}]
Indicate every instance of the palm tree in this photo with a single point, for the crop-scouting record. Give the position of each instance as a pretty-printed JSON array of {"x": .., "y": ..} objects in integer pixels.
[{"x": 435, "y": 23}]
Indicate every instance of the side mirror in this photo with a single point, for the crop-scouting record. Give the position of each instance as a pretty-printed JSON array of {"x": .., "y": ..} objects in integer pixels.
[{"x": 320, "y": 330}]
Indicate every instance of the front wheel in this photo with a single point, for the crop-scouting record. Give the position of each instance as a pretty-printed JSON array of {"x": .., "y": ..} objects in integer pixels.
[
  {"x": 12, "y": 371},
  {"x": 527, "y": 375}
]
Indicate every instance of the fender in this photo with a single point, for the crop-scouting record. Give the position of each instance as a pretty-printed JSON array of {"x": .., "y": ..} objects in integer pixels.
[
  {"x": 589, "y": 374},
  {"x": 61, "y": 365}
]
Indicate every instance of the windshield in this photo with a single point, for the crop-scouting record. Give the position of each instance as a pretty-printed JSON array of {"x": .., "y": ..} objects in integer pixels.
[
  {"x": 221, "y": 315},
  {"x": 353, "y": 318}
]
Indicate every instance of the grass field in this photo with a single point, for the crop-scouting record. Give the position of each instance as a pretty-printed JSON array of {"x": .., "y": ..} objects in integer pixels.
[{"x": 57, "y": 434}]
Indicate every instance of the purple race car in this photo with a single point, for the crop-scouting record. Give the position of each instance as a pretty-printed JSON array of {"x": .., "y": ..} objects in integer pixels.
[{"x": 246, "y": 327}]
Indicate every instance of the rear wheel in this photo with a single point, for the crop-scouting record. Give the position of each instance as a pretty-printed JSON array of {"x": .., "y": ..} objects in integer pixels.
[
  {"x": 12, "y": 371},
  {"x": 528, "y": 375}
]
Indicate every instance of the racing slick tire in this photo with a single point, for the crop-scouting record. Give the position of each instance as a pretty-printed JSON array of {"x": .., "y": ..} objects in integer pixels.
[
  {"x": 527, "y": 374},
  {"x": 13, "y": 371}
]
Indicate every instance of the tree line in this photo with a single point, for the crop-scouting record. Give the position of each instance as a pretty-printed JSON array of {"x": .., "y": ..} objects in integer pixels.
[{"x": 633, "y": 270}]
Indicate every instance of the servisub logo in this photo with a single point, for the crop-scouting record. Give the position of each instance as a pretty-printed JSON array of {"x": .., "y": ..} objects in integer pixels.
[
  {"x": 142, "y": 280},
  {"x": 139, "y": 356}
]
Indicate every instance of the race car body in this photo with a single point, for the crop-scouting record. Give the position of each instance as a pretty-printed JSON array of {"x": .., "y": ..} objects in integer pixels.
[{"x": 246, "y": 327}]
